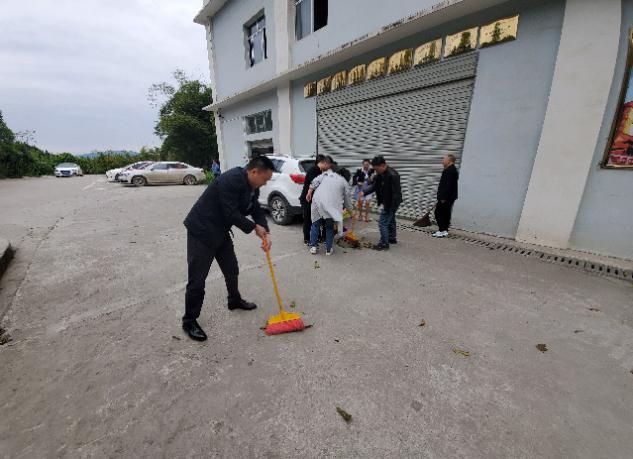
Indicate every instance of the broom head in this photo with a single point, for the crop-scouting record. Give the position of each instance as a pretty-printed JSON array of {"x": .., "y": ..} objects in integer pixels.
[{"x": 284, "y": 323}]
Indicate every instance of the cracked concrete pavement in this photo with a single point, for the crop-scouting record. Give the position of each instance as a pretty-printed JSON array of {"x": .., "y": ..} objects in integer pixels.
[{"x": 99, "y": 367}]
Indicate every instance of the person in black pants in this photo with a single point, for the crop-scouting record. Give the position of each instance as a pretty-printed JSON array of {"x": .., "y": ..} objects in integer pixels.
[
  {"x": 446, "y": 196},
  {"x": 226, "y": 202},
  {"x": 306, "y": 207}
]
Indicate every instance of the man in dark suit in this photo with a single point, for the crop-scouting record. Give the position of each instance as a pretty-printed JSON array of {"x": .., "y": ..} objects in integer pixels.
[
  {"x": 311, "y": 174},
  {"x": 387, "y": 187},
  {"x": 446, "y": 196},
  {"x": 226, "y": 202}
]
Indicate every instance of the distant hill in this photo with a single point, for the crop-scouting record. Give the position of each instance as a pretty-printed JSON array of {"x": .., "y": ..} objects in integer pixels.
[{"x": 94, "y": 154}]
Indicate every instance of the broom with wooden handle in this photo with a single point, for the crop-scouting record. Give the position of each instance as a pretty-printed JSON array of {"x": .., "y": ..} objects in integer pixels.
[{"x": 284, "y": 322}]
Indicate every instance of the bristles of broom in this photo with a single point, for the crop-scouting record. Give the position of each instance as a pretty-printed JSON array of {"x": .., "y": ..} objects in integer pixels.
[{"x": 287, "y": 326}]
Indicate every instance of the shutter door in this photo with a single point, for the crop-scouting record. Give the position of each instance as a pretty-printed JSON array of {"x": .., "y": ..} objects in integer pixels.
[{"x": 412, "y": 118}]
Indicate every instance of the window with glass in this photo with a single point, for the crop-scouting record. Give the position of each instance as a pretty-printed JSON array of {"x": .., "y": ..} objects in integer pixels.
[
  {"x": 259, "y": 122},
  {"x": 256, "y": 37},
  {"x": 310, "y": 16}
]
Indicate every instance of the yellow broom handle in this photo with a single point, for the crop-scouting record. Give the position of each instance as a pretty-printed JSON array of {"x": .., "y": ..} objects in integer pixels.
[{"x": 272, "y": 275}]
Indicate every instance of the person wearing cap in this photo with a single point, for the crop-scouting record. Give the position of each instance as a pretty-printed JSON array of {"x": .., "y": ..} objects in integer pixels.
[{"x": 386, "y": 185}]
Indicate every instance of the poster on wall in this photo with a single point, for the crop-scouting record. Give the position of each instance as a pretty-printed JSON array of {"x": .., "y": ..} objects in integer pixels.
[{"x": 620, "y": 148}]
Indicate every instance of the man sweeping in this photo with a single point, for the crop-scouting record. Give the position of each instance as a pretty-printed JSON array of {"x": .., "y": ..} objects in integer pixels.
[{"x": 225, "y": 203}]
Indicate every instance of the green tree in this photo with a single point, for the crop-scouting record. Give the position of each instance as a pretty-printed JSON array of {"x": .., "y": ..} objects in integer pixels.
[{"x": 187, "y": 131}]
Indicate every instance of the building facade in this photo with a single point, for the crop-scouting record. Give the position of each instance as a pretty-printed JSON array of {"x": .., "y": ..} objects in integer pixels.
[{"x": 531, "y": 96}]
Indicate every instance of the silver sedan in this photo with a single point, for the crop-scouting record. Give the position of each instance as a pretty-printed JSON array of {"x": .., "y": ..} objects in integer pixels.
[{"x": 164, "y": 172}]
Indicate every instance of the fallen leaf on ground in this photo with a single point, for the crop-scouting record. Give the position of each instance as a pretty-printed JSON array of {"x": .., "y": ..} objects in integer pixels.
[
  {"x": 344, "y": 414},
  {"x": 578, "y": 331},
  {"x": 175, "y": 337},
  {"x": 423, "y": 323},
  {"x": 541, "y": 347},
  {"x": 4, "y": 339},
  {"x": 457, "y": 350},
  {"x": 308, "y": 326},
  {"x": 316, "y": 264},
  {"x": 292, "y": 304},
  {"x": 594, "y": 309}
]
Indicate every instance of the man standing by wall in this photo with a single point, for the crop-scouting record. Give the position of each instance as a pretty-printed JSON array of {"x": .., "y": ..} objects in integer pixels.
[
  {"x": 446, "y": 195},
  {"x": 311, "y": 174},
  {"x": 226, "y": 202},
  {"x": 387, "y": 188}
]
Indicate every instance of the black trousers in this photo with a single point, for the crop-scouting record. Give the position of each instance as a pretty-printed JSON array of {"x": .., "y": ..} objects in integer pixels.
[
  {"x": 443, "y": 212},
  {"x": 306, "y": 207},
  {"x": 200, "y": 255}
]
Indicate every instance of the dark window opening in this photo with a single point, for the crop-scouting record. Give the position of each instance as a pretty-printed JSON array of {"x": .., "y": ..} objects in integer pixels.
[
  {"x": 310, "y": 16},
  {"x": 259, "y": 122},
  {"x": 256, "y": 37}
]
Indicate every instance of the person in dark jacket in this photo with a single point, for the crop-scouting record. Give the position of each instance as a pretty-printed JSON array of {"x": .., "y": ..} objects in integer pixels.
[
  {"x": 446, "y": 196},
  {"x": 387, "y": 187},
  {"x": 226, "y": 202},
  {"x": 311, "y": 174}
]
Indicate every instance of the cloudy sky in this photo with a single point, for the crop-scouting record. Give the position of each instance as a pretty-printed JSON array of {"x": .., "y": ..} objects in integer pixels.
[{"x": 77, "y": 71}]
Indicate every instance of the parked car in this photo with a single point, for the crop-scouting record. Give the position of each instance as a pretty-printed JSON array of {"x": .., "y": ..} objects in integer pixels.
[
  {"x": 281, "y": 194},
  {"x": 113, "y": 174},
  {"x": 163, "y": 172},
  {"x": 68, "y": 170}
]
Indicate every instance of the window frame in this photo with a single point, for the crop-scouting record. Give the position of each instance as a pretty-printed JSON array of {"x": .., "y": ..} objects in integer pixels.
[
  {"x": 252, "y": 31},
  {"x": 267, "y": 122},
  {"x": 299, "y": 4}
]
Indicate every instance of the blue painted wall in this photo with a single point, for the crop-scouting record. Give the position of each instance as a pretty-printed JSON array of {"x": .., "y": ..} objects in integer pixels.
[{"x": 605, "y": 219}]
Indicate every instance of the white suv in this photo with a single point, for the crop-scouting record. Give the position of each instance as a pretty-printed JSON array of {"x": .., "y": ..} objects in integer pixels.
[{"x": 281, "y": 194}]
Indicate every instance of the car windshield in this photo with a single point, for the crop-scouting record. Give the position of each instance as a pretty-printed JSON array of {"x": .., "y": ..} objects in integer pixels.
[{"x": 67, "y": 165}]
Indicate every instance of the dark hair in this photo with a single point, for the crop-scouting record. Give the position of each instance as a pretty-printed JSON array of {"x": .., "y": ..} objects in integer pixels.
[
  {"x": 451, "y": 158},
  {"x": 319, "y": 158},
  {"x": 367, "y": 159},
  {"x": 328, "y": 159},
  {"x": 343, "y": 172},
  {"x": 378, "y": 161},
  {"x": 261, "y": 163}
]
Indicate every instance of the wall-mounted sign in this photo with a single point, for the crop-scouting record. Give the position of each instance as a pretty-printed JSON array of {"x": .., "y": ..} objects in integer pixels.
[
  {"x": 402, "y": 60},
  {"x": 499, "y": 31},
  {"x": 356, "y": 75},
  {"x": 309, "y": 90},
  {"x": 461, "y": 42},
  {"x": 339, "y": 80},
  {"x": 324, "y": 85},
  {"x": 619, "y": 152},
  {"x": 376, "y": 68},
  {"x": 428, "y": 52}
]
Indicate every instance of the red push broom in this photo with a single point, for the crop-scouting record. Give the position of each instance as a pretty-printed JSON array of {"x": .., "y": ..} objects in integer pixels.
[{"x": 283, "y": 322}]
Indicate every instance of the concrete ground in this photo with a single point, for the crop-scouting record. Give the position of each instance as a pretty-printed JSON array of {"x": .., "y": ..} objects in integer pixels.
[{"x": 99, "y": 367}]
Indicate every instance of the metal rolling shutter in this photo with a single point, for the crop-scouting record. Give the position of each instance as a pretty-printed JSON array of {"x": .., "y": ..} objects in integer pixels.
[{"x": 412, "y": 118}]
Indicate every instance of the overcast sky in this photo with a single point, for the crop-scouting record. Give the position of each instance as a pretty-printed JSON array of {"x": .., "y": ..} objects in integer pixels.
[{"x": 77, "y": 71}]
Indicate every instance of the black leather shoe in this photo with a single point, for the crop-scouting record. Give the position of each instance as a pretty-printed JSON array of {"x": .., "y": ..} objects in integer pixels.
[
  {"x": 380, "y": 247},
  {"x": 393, "y": 241},
  {"x": 194, "y": 331},
  {"x": 242, "y": 304}
]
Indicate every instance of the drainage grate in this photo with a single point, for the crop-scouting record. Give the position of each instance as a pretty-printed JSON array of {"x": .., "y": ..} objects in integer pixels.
[{"x": 571, "y": 262}]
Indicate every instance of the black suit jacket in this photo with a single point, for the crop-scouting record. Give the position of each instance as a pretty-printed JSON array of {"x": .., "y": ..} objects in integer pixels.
[
  {"x": 388, "y": 191},
  {"x": 447, "y": 189},
  {"x": 226, "y": 202},
  {"x": 312, "y": 173}
]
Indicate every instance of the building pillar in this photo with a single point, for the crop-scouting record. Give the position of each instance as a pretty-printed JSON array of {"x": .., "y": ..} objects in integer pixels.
[
  {"x": 284, "y": 113},
  {"x": 282, "y": 10},
  {"x": 214, "y": 88},
  {"x": 580, "y": 88}
]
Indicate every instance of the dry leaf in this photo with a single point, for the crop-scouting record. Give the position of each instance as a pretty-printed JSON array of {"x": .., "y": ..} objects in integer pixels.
[
  {"x": 316, "y": 264},
  {"x": 594, "y": 309},
  {"x": 292, "y": 304},
  {"x": 344, "y": 414},
  {"x": 423, "y": 323},
  {"x": 175, "y": 337},
  {"x": 461, "y": 351},
  {"x": 578, "y": 331},
  {"x": 541, "y": 347}
]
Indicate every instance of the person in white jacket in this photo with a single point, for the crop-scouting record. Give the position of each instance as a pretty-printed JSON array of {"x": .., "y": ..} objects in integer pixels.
[{"x": 329, "y": 194}]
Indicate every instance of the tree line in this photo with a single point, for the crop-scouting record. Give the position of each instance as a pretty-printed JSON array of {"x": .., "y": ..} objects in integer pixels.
[{"x": 187, "y": 133}]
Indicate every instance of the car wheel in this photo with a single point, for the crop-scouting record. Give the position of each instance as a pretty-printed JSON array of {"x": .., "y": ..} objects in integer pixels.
[
  {"x": 189, "y": 180},
  {"x": 116, "y": 178},
  {"x": 280, "y": 210},
  {"x": 139, "y": 180}
]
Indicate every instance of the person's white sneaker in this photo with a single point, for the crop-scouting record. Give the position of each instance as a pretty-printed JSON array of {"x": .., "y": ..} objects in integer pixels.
[
  {"x": 329, "y": 252},
  {"x": 438, "y": 234},
  {"x": 444, "y": 233},
  {"x": 313, "y": 250}
]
